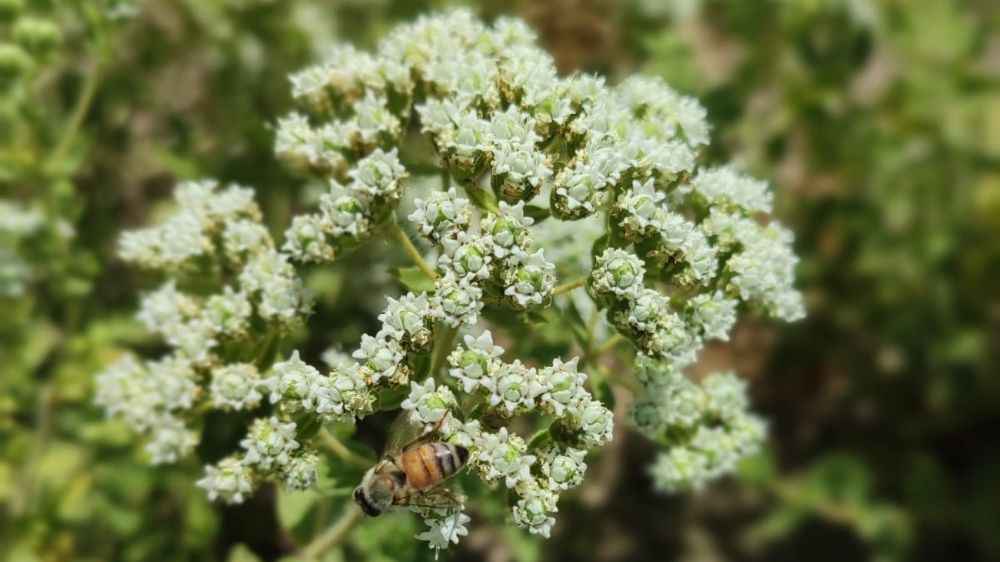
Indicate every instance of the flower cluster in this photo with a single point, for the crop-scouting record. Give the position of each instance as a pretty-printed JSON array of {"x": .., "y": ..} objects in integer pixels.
[
  {"x": 214, "y": 235},
  {"x": 527, "y": 159},
  {"x": 706, "y": 426},
  {"x": 535, "y": 472}
]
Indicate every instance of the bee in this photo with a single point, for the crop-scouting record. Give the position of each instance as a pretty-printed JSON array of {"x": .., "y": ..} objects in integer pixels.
[{"x": 411, "y": 476}]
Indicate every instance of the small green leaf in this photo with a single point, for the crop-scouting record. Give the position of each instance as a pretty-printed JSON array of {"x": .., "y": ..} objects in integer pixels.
[
  {"x": 414, "y": 279},
  {"x": 536, "y": 212}
]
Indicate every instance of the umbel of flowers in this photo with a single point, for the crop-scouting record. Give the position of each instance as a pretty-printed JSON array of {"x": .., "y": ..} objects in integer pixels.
[{"x": 681, "y": 249}]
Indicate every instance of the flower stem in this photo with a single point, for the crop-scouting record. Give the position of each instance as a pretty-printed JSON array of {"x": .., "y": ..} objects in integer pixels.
[
  {"x": 411, "y": 250},
  {"x": 609, "y": 344},
  {"x": 83, "y": 101},
  {"x": 333, "y": 534},
  {"x": 567, "y": 287},
  {"x": 332, "y": 443}
]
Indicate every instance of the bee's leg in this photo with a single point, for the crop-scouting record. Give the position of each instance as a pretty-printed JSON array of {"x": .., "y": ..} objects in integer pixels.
[{"x": 427, "y": 434}]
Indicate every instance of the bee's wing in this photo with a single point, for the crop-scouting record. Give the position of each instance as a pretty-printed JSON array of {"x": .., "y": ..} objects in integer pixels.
[
  {"x": 401, "y": 432},
  {"x": 437, "y": 497}
]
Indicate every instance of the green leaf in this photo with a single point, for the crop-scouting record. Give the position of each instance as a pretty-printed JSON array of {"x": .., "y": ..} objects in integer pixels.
[
  {"x": 414, "y": 279},
  {"x": 536, "y": 212}
]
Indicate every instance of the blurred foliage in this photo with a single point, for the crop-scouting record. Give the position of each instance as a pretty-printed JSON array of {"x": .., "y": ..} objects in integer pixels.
[{"x": 878, "y": 122}]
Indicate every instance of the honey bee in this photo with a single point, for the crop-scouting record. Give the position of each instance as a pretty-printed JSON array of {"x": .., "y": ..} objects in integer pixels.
[{"x": 411, "y": 476}]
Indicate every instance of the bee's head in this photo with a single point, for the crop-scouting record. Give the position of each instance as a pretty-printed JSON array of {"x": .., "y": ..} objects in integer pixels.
[{"x": 362, "y": 501}]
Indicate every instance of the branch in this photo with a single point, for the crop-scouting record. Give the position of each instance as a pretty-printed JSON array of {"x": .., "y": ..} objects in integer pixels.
[
  {"x": 567, "y": 287},
  {"x": 333, "y": 534},
  {"x": 333, "y": 444},
  {"x": 411, "y": 250}
]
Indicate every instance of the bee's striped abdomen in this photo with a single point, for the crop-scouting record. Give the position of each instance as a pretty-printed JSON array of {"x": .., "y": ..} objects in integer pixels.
[{"x": 428, "y": 464}]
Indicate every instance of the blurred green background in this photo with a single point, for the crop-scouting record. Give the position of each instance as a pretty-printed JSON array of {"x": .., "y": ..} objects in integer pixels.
[{"x": 876, "y": 122}]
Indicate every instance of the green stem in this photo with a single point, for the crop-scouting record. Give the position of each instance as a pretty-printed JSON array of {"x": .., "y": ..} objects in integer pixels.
[
  {"x": 445, "y": 178},
  {"x": 411, "y": 250},
  {"x": 609, "y": 344},
  {"x": 83, "y": 101},
  {"x": 333, "y": 535},
  {"x": 333, "y": 444},
  {"x": 567, "y": 287}
]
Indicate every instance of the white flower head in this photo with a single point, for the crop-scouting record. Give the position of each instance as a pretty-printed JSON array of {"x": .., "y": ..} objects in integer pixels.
[
  {"x": 563, "y": 468},
  {"x": 456, "y": 301},
  {"x": 515, "y": 387},
  {"x": 170, "y": 440},
  {"x": 301, "y": 472},
  {"x": 269, "y": 443},
  {"x": 408, "y": 319},
  {"x": 503, "y": 456},
  {"x": 534, "y": 510},
  {"x": 474, "y": 364},
  {"x": 428, "y": 403},
  {"x": 529, "y": 278},
  {"x": 441, "y": 215},
  {"x": 468, "y": 255},
  {"x": 444, "y": 529},
  {"x": 381, "y": 358},
  {"x": 230, "y": 480},
  {"x": 618, "y": 272},
  {"x": 235, "y": 386}
]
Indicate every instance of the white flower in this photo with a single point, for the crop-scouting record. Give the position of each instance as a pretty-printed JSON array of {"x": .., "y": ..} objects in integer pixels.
[
  {"x": 124, "y": 389},
  {"x": 269, "y": 443},
  {"x": 444, "y": 530},
  {"x": 456, "y": 301},
  {"x": 467, "y": 255},
  {"x": 166, "y": 310},
  {"x": 563, "y": 468},
  {"x": 228, "y": 312},
  {"x": 679, "y": 468},
  {"x": 563, "y": 386},
  {"x": 305, "y": 240},
  {"x": 428, "y": 403},
  {"x": 294, "y": 382},
  {"x": 646, "y": 312},
  {"x": 173, "y": 377},
  {"x": 17, "y": 220},
  {"x": 528, "y": 278},
  {"x": 713, "y": 314},
  {"x": 301, "y": 472},
  {"x": 595, "y": 421},
  {"x": 230, "y": 481},
  {"x": 474, "y": 364},
  {"x": 533, "y": 510},
  {"x": 641, "y": 209},
  {"x": 344, "y": 214},
  {"x": 507, "y": 229},
  {"x": 725, "y": 187},
  {"x": 519, "y": 171},
  {"x": 442, "y": 215},
  {"x": 245, "y": 237},
  {"x": 378, "y": 175},
  {"x": 515, "y": 387},
  {"x": 619, "y": 273},
  {"x": 235, "y": 386},
  {"x": 502, "y": 456},
  {"x": 170, "y": 440},
  {"x": 381, "y": 358},
  {"x": 409, "y": 319}
]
